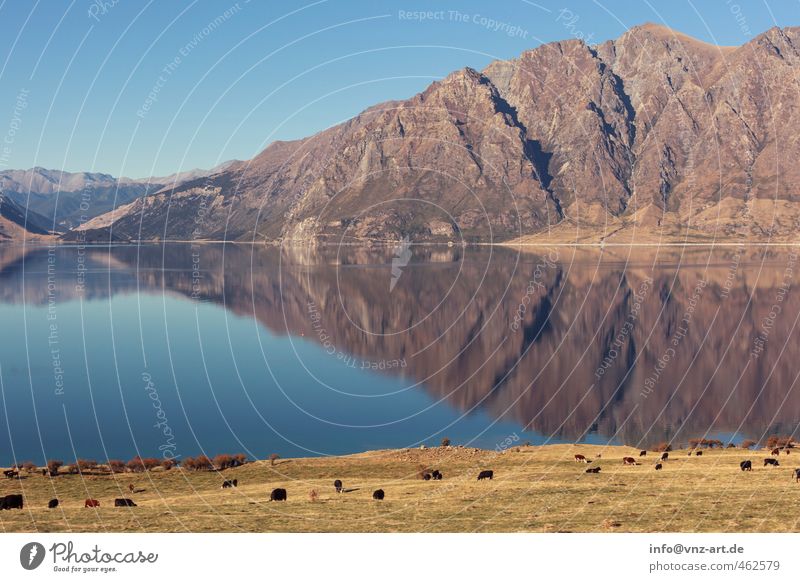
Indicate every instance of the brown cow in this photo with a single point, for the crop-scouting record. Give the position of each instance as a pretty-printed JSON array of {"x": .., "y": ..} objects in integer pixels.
[
  {"x": 91, "y": 503},
  {"x": 796, "y": 475},
  {"x": 581, "y": 459},
  {"x": 775, "y": 452},
  {"x": 629, "y": 461},
  {"x": 664, "y": 456}
]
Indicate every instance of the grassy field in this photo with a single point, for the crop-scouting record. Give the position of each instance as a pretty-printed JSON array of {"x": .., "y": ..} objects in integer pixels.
[{"x": 535, "y": 489}]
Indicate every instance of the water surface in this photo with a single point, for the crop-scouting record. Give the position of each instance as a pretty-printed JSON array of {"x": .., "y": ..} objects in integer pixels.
[{"x": 174, "y": 350}]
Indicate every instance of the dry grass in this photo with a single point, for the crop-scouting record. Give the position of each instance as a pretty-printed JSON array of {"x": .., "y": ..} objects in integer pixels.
[{"x": 534, "y": 489}]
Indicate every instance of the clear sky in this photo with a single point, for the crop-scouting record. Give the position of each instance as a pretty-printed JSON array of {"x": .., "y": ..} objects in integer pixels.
[{"x": 140, "y": 88}]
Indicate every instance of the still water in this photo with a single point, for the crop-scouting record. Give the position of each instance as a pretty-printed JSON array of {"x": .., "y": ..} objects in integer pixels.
[{"x": 176, "y": 350}]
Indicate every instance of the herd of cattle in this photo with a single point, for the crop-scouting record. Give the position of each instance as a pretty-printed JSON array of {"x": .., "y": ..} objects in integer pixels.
[
  {"x": 744, "y": 465},
  {"x": 15, "y": 501}
]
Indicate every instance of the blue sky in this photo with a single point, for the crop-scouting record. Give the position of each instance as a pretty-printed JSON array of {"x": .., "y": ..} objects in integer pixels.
[{"x": 141, "y": 88}]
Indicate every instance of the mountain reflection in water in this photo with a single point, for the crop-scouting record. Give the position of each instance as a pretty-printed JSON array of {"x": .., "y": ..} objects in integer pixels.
[{"x": 390, "y": 347}]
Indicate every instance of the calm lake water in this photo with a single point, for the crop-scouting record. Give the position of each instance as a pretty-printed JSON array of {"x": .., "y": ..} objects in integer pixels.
[{"x": 178, "y": 350}]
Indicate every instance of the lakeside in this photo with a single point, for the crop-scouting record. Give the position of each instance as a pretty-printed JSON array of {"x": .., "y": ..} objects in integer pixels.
[{"x": 535, "y": 489}]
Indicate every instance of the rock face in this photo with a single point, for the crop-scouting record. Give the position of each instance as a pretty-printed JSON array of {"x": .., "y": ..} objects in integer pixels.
[{"x": 651, "y": 134}]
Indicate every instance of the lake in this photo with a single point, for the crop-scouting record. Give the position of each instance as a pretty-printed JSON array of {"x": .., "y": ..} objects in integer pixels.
[{"x": 175, "y": 350}]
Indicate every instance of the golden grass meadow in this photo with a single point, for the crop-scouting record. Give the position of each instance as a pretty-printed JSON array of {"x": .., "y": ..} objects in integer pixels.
[{"x": 535, "y": 489}]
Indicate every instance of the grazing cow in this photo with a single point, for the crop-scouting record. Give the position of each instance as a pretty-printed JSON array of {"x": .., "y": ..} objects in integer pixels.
[
  {"x": 796, "y": 475},
  {"x": 775, "y": 452},
  {"x": 437, "y": 476},
  {"x": 581, "y": 459},
  {"x": 11, "y": 474},
  {"x": 699, "y": 453},
  {"x": 659, "y": 466},
  {"x": 130, "y": 487},
  {"x": 593, "y": 470},
  {"x": 746, "y": 466},
  {"x": 91, "y": 503},
  {"x": 664, "y": 456},
  {"x": 771, "y": 462},
  {"x": 786, "y": 451},
  {"x": 628, "y": 461},
  {"x": 11, "y": 501},
  {"x": 485, "y": 475},
  {"x": 378, "y": 495},
  {"x": 230, "y": 483},
  {"x": 642, "y": 453},
  {"x": 124, "y": 503},
  {"x": 338, "y": 485},
  {"x": 426, "y": 476},
  {"x": 690, "y": 453},
  {"x": 52, "y": 504},
  {"x": 278, "y": 494}
]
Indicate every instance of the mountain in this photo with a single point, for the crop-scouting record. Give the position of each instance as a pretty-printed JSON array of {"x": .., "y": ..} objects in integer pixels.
[
  {"x": 653, "y": 136},
  {"x": 68, "y": 199},
  {"x": 18, "y": 224}
]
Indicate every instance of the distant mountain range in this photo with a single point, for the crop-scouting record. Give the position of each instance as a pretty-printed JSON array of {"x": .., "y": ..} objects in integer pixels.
[
  {"x": 653, "y": 136},
  {"x": 15, "y": 222},
  {"x": 65, "y": 200}
]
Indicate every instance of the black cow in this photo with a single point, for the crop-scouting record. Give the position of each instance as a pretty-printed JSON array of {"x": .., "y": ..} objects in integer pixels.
[
  {"x": 658, "y": 466},
  {"x": 796, "y": 475},
  {"x": 642, "y": 453},
  {"x": 230, "y": 483},
  {"x": 664, "y": 456},
  {"x": 746, "y": 466},
  {"x": 771, "y": 462},
  {"x": 436, "y": 475},
  {"x": 278, "y": 494},
  {"x": 124, "y": 503},
  {"x": 593, "y": 470},
  {"x": 426, "y": 476},
  {"x": 378, "y": 495},
  {"x": 699, "y": 453},
  {"x": 11, "y": 474},
  {"x": 11, "y": 502},
  {"x": 52, "y": 504},
  {"x": 485, "y": 475},
  {"x": 338, "y": 485}
]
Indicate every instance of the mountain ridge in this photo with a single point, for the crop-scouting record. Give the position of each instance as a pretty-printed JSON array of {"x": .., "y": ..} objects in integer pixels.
[{"x": 653, "y": 136}]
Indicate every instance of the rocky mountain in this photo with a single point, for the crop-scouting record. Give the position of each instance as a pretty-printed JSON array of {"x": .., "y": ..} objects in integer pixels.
[
  {"x": 68, "y": 199},
  {"x": 652, "y": 136}
]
